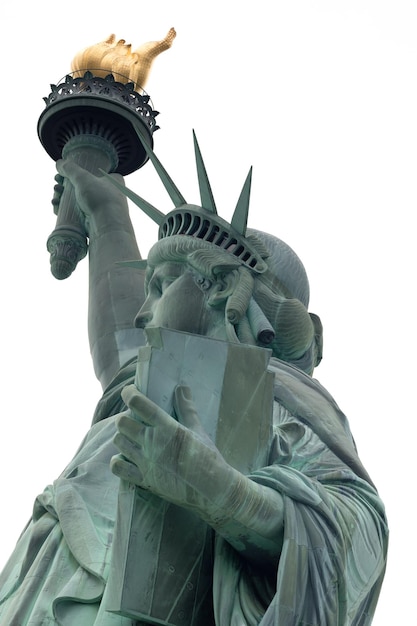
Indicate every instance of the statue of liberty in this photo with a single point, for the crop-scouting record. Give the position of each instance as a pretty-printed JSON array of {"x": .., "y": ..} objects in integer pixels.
[{"x": 295, "y": 533}]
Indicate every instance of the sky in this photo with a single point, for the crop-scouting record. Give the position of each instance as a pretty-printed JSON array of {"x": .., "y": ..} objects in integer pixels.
[{"x": 320, "y": 97}]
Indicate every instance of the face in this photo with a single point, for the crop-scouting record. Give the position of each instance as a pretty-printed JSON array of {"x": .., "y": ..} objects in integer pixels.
[{"x": 176, "y": 299}]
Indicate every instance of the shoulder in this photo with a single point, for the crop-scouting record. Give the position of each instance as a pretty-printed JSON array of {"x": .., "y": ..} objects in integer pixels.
[{"x": 312, "y": 404}]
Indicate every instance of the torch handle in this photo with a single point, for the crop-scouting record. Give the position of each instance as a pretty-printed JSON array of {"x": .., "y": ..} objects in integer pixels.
[{"x": 67, "y": 244}]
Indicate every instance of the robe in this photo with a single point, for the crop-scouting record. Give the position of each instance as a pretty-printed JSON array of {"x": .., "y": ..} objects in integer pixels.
[{"x": 335, "y": 532}]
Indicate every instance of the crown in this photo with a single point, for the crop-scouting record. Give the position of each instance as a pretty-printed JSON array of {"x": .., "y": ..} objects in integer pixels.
[{"x": 200, "y": 222}]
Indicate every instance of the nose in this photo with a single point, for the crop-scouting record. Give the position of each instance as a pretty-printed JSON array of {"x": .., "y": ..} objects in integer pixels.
[
  {"x": 145, "y": 313},
  {"x": 142, "y": 318}
]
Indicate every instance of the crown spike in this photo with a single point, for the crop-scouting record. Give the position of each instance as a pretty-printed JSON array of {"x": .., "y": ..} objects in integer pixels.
[
  {"x": 206, "y": 195},
  {"x": 151, "y": 211},
  {"x": 173, "y": 191},
  {"x": 139, "y": 264},
  {"x": 240, "y": 215}
]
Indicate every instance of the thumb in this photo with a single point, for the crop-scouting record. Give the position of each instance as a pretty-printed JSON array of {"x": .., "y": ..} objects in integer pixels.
[
  {"x": 75, "y": 174},
  {"x": 185, "y": 409}
]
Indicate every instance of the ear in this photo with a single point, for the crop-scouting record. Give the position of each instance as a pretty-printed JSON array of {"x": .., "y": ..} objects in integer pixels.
[
  {"x": 222, "y": 288},
  {"x": 318, "y": 337}
]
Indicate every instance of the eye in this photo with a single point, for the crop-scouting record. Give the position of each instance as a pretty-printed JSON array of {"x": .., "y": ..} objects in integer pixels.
[
  {"x": 154, "y": 286},
  {"x": 166, "y": 283}
]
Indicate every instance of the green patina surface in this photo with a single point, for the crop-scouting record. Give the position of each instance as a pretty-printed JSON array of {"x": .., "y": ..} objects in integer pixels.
[{"x": 219, "y": 482}]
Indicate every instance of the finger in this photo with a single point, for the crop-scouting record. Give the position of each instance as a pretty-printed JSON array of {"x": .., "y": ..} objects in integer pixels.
[
  {"x": 76, "y": 174},
  {"x": 131, "y": 450},
  {"x": 126, "y": 470},
  {"x": 147, "y": 411},
  {"x": 56, "y": 198},
  {"x": 185, "y": 408},
  {"x": 130, "y": 426}
]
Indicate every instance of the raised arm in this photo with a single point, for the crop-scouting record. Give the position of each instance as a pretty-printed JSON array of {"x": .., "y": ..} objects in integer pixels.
[{"x": 115, "y": 292}]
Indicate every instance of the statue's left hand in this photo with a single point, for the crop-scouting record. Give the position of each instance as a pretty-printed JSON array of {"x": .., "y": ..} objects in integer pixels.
[
  {"x": 177, "y": 461},
  {"x": 173, "y": 459}
]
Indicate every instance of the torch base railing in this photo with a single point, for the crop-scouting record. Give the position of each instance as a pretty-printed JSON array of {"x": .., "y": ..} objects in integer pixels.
[{"x": 100, "y": 124}]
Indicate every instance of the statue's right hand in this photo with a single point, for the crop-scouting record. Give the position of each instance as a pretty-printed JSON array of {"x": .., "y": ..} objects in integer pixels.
[{"x": 96, "y": 197}]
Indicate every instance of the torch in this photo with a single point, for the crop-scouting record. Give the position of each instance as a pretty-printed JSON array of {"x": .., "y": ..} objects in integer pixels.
[{"x": 94, "y": 116}]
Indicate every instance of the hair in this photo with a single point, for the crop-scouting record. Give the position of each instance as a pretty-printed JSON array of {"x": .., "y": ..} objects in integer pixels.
[{"x": 259, "y": 308}]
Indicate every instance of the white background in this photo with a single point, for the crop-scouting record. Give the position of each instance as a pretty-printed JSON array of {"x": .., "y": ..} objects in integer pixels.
[{"x": 320, "y": 97}]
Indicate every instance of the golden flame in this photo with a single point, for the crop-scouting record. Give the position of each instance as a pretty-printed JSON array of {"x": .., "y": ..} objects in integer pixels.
[{"x": 117, "y": 58}]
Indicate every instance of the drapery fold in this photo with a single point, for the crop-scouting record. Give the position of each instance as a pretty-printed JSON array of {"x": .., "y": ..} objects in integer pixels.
[{"x": 335, "y": 533}]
